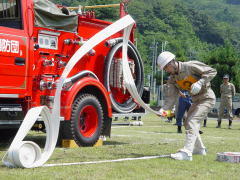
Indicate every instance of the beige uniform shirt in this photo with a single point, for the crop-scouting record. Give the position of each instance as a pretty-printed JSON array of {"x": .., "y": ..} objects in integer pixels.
[
  {"x": 227, "y": 90},
  {"x": 189, "y": 73}
]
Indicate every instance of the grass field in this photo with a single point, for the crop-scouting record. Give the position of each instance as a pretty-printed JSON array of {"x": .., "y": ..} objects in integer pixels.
[{"x": 155, "y": 137}]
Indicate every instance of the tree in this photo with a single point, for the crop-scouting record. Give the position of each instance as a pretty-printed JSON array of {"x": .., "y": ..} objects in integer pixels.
[
  {"x": 226, "y": 61},
  {"x": 111, "y": 13}
]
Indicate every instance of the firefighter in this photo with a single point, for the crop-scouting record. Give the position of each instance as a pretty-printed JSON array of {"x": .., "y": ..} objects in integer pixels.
[
  {"x": 195, "y": 77},
  {"x": 227, "y": 91},
  {"x": 184, "y": 103}
]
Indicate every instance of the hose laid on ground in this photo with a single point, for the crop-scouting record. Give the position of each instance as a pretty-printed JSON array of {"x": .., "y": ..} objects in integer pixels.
[{"x": 107, "y": 161}]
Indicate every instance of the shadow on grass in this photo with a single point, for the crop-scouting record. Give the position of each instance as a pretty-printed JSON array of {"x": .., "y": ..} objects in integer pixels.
[
  {"x": 4, "y": 145},
  {"x": 40, "y": 140}
]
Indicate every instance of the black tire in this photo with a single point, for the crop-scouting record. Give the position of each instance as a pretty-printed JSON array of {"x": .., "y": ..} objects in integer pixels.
[{"x": 86, "y": 120}]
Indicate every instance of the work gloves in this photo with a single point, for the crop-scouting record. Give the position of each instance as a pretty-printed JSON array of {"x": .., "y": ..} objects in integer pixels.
[
  {"x": 196, "y": 87},
  {"x": 162, "y": 112}
]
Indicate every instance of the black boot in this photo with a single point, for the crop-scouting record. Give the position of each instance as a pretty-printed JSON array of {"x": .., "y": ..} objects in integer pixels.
[
  {"x": 205, "y": 123},
  {"x": 219, "y": 124},
  {"x": 230, "y": 124},
  {"x": 179, "y": 129}
]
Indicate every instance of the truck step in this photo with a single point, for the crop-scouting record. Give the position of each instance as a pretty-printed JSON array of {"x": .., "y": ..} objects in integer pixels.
[{"x": 10, "y": 107}]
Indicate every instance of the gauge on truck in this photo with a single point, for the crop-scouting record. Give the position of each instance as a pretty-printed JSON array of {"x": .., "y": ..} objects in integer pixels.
[{"x": 47, "y": 41}]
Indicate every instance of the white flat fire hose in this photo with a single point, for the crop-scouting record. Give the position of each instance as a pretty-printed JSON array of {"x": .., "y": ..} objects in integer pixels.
[
  {"x": 127, "y": 75},
  {"x": 27, "y": 154}
]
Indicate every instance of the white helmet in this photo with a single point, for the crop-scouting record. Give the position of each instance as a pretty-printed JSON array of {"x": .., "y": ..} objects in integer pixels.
[{"x": 164, "y": 58}]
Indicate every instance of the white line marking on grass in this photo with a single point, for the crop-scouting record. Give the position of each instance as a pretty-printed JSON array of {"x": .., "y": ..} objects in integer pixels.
[
  {"x": 146, "y": 132},
  {"x": 115, "y": 127},
  {"x": 216, "y": 137},
  {"x": 220, "y": 137},
  {"x": 152, "y": 126},
  {"x": 120, "y": 135},
  {"x": 106, "y": 161}
]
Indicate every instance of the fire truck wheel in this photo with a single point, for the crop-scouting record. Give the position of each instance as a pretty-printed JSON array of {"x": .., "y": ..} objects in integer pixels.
[{"x": 86, "y": 120}]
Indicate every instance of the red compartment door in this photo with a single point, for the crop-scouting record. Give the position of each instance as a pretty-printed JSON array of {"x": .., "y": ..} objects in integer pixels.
[{"x": 13, "y": 65}]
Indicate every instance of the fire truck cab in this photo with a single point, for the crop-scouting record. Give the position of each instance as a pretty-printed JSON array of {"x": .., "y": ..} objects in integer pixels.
[{"x": 37, "y": 39}]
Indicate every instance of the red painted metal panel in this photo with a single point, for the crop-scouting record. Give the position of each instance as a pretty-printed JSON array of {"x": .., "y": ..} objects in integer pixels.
[{"x": 69, "y": 96}]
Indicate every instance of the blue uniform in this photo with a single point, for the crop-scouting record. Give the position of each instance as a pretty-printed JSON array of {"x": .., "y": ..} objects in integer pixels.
[{"x": 183, "y": 106}]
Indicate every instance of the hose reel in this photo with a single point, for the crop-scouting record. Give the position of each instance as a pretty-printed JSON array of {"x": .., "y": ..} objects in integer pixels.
[{"x": 121, "y": 100}]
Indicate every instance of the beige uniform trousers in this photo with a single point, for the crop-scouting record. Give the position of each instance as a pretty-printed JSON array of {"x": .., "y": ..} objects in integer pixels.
[
  {"x": 226, "y": 103},
  {"x": 197, "y": 112}
]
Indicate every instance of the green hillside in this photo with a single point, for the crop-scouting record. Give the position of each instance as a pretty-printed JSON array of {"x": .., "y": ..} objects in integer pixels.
[
  {"x": 192, "y": 30},
  {"x": 206, "y": 30},
  {"x": 221, "y": 10}
]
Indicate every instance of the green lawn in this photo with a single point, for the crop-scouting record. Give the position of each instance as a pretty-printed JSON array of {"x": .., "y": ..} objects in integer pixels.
[{"x": 155, "y": 137}]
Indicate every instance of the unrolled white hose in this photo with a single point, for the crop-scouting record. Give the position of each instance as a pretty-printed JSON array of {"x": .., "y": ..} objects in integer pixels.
[
  {"x": 127, "y": 75},
  {"x": 107, "y": 161}
]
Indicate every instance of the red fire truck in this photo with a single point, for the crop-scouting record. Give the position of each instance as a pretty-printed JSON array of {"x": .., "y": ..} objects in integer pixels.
[{"x": 37, "y": 39}]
